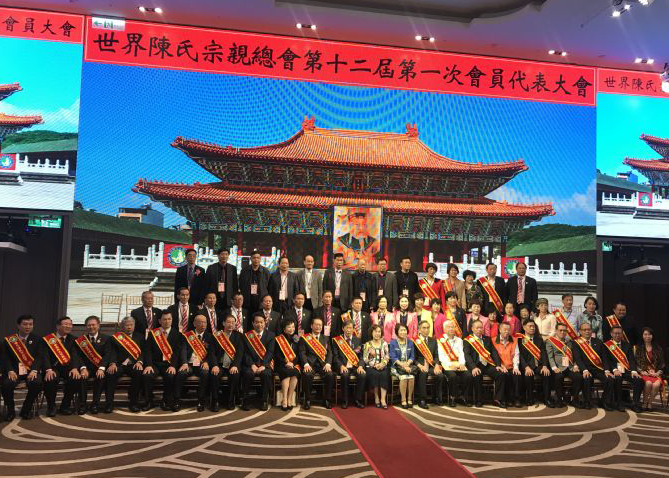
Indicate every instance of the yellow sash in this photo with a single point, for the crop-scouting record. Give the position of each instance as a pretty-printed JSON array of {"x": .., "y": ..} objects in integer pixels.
[
  {"x": 422, "y": 346},
  {"x": 561, "y": 319},
  {"x": 89, "y": 351},
  {"x": 20, "y": 350},
  {"x": 286, "y": 349},
  {"x": 316, "y": 346},
  {"x": 590, "y": 353},
  {"x": 450, "y": 353},
  {"x": 492, "y": 293},
  {"x": 450, "y": 316},
  {"x": 58, "y": 349},
  {"x": 618, "y": 353},
  {"x": 480, "y": 349},
  {"x": 529, "y": 345},
  {"x": 128, "y": 344},
  {"x": 225, "y": 343},
  {"x": 614, "y": 322},
  {"x": 346, "y": 349},
  {"x": 163, "y": 344},
  {"x": 562, "y": 347},
  {"x": 196, "y": 344}
]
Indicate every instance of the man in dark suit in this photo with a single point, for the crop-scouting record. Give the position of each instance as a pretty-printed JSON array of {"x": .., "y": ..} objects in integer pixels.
[
  {"x": 257, "y": 362},
  {"x": 623, "y": 367},
  {"x": 147, "y": 316},
  {"x": 198, "y": 351},
  {"x": 226, "y": 365},
  {"x": 127, "y": 359},
  {"x": 237, "y": 310},
  {"x": 331, "y": 316},
  {"x": 221, "y": 279},
  {"x": 183, "y": 311},
  {"x": 211, "y": 312},
  {"x": 385, "y": 284},
  {"x": 531, "y": 366},
  {"x": 299, "y": 314},
  {"x": 347, "y": 364},
  {"x": 479, "y": 365},
  {"x": 339, "y": 282},
  {"x": 407, "y": 281},
  {"x": 94, "y": 362},
  {"x": 254, "y": 283},
  {"x": 160, "y": 361},
  {"x": 192, "y": 277},
  {"x": 361, "y": 320},
  {"x": 55, "y": 370},
  {"x": 311, "y": 284},
  {"x": 20, "y": 360},
  {"x": 283, "y": 285},
  {"x": 314, "y": 363},
  {"x": 272, "y": 317},
  {"x": 427, "y": 360},
  {"x": 364, "y": 286},
  {"x": 497, "y": 283},
  {"x": 521, "y": 289},
  {"x": 592, "y": 360},
  {"x": 630, "y": 331}
]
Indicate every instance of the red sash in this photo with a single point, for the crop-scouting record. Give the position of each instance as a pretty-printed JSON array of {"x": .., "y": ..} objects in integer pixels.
[
  {"x": 196, "y": 344},
  {"x": 529, "y": 345},
  {"x": 89, "y": 351},
  {"x": 450, "y": 353},
  {"x": 561, "y": 319},
  {"x": 58, "y": 349},
  {"x": 480, "y": 348},
  {"x": 422, "y": 346},
  {"x": 286, "y": 349},
  {"x": 428, "y": 291},
  {"x": 562, "y": 347},
  {"x": 316, "y": 346},
  {"x": 346, "y": 349},
  {"x": 618, "y": 353},
  {"x": 128, "y": 344},
  {"x": 448, "y": 286},
  {"x": 257, "y": 345},
  {"x": 590, "y": 353},
  {"x": 614, "y": 322},
  {"x": 450, "y": 316},
  {"x": 163, "y": 344},
  {"x": 225, "y": 343},
  {"x": 20, "y": 350},
  {"x": 492, "y": 293},
  {"x": 347, "y": 316}
]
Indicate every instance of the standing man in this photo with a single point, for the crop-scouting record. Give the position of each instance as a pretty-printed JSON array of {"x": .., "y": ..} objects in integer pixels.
[
  {"x": 568, "y": 311},
  {"x": 283, "y": 285},
  {"x": 272, "y": 317},
  {"x": 183, "y": 312},
  {"x": 316, "y": 357},
  {"x": 192, "y": 277},
  {"x": 128, "y": 359},
  {"x": 60, "y": 361},
  {"x": 347, "y": 360},
  {"x": 330, "y": 315},
  {"x": 95, "y": 354},
  {"x": 407, "y": 280},
  {"x": 364, "y": 286},
  {"x": 385, "y": 284},
  {"x": 620, "y": 318},
  {"x": 147, "y": 316},
  {"x": 253, "y": 283},
  {"x": 237, "y": 310},
  {"x": 222, "y": 279},
  {"x": 427, "y": 361},
  {"x": 259, "y": 346},
  {"x": 299, "y": 314},
  {"x": 211, "y": 312},
  {"x": 494, "y": 293},
  {"x": 521, "y": 289},
  {"x": 339, "y": 282},
  {"x": 20, "y": 360},
  {"x": 360, "y": 319},
  {"x": 311, "y": 284}
]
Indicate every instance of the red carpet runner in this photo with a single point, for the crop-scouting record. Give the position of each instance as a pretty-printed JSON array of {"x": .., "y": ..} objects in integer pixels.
[{"x": 395, "y": 447}]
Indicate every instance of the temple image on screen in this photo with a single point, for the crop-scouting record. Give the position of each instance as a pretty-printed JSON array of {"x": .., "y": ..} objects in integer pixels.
[{"x": 290, "y": 188}]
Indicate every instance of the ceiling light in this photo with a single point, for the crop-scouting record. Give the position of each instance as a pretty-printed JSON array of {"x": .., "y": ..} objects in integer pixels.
[
  {"x": 551, "y": 52},
  {"x": 637, "y": 60},
  {"x": 627, "y": 6},
  {"x": 418, "y": 37},
  {"x": 422, "y": 38},
  {"x": 313, "y": 27},
  {"x": 647, "y": 61},
  {"x": 304, "y": 25},
  {"x": 564, "y": 53},
  {"x": 158, "y": 10},
  {"x": 557, "y": 52},
  {"x": 432, "y": 39},
  {"x": 141, "y": 9},
  {"x": 616, "y": 13},
  {"x": 144, "y": 9}
]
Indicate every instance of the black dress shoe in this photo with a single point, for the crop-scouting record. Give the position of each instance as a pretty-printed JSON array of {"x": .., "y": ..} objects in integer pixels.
[
  {"x": 439, "y": 402},
  {"x": 27, "y": 415},
  {"x": 176, "y": 406},
  {"x": 264, "y": 406},
  {"x": 109, "y": 407},
  {"x": 147, "y": 406},
  {"x": 499, "y": 404},
  {"x": 636, "y": 408},
  {"x": 11, "y": 415},
  {"x": 164, "y": 406},
  {"x": 479, "y": 404},
  {"x": 608, "y": 407},
  {"x": 51, "y": 412},
  {"x": 549, "y": 404},
  {"x": 588, "y": 406},
  {"x": 245, "y": 406},
  {"x": 405, "y": 406},
  {"x": 359, "y": 404},
  {"x": 410, "y": 404},
  {"x": 134, "y": 408},
  {"x": 452, "y": 403},
  {"x": 560, "y": 404},
  {"x": 326, "y": 404},
  {"x": 200, "y": 406},
  {"x": 93, "y": 409},
  {"x": 519, "y": 405},
  {"x": 344, "y": 405},
  {"x": 82, "y": 410},
  {"x": 231, "y": 405},
  {"x": 214, "y": 406},
  {"x": 65, "y": 411},
  {"x": 621, "y": 408},
  {"x": 423, "y": 405},
  {"x": 284, "y": 408}
]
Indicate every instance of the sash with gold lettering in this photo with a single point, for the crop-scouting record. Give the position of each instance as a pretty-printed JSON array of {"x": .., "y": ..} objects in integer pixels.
[
  {"x": 163, "y": 344},
  {"x": 618, "y": 353},
  {"x": 450, "y": 316},
  {"x": 196, "y": 344},
  {"x": 561, "y": 319},
  {"x": 492, "y": 293},
  {"x": 316, "y": 346},
  {"x": 225, "y": 343},
  {"x": 422, "y": 346},
  {"x": 590, "y": 353},
  {"x": 58, "y": 349},
  {"x": 287, "y": 350},
  {"x": 128, "y": 344},
  {"x": 450, "y": 353},
  {"x": 21, "y": 351},
  {"x": 529, "y": 345},
  {"x": 448, "y": 286},
  {"x": 89, "y": 351},
  {"x": 346, "y": 349},
  {"x": 428, "y": 291},
  {"x": 614, "y": 322},
  {"x": 257, "y": 345},
  {"x": 562, "y": 347},
  {"x": 480, "y": 349}
]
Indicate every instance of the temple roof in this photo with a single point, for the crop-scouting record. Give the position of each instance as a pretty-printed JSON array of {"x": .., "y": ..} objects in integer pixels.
[
  {"x": 660, "y": 165},
  {"x": 219, "y": 194},
  {"x": 661, "y": 145},
  {"x": 350, "y": 148},
  {"x": 9, "y": 120},
  {"x": 8, "y": 89}
]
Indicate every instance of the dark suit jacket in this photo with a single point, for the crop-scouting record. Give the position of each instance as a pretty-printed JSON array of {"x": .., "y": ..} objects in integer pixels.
[
  {"x": 103, "y": 347},
  {"x": 217, "y": 351},
  {"x": 365, "y": 282},
  {"x": 292, "y": 287},
  {"x": 335, "y": 319},
  {"x": 389, "y": 285},
  {"x": 583, "y": 361},
  {"x": 345, "y": 286},
  {"x": 120, "y": 354},
  {"x": 274, "y": 322},
  {"x": 207, "y": 340},
  {"x": 246, "y": 319},
  {"x": 140, "y": 318},
  {"x": 197, "y": 288},
  {"x": 250, "y": 355},
  {"x": 214, "y": 273},
  {"x": 219, "y": 317},
  {"x": 9, "y": 362},
  {"x": 246, "y": 279},
  {"x": 629, "y": 327},
  {"x": 408, "y": 281},
  {"x": 153, "y": 356},
  {"x": 175, "y": 310},
  {"x": 472, "y": 359},
  {"x": 365, "y": 324},
  {"x": 49, "y": 360},
  {"x": 500, "y": 288},
  {"x": 306, "y": 319},
  {"x": 339, "y": 359},
  {"x": 432, "y": 347},
  {"x": 280, "y": 358},
  {"x": 629, "y": 353},
  {"x": 527, "y": 359},
  {"x": 531, "y": 292},
  {"x": 308, "y": 356}
]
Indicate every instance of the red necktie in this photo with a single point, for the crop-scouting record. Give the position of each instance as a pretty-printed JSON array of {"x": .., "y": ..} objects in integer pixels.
[
  {"x": 357, "y": 322},
  {"x": 184, "y": 317},
  {"x": 149, "y": 318},
  {"x": 521, "y": 293},
  {"x": 299, "y": 319},
  {"x": 239, "y": 319},
  {"x": 329, "y": 315},
  {"x": 212, "y": 319}
]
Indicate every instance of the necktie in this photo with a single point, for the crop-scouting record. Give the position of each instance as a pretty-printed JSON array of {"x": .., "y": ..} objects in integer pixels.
[
  {"x": 267, "y": 314},
  {"x": 521, "y": 292},
  {"x": 212, "y": 320},
  {"x": 357, "y": 322},
  {"x": 239, "y": 319},
  {"x": 299, "y": 319},
  {"x": 184, "y": 316},
  {"x": 190, "y": 276},
  {"x": 328, "y": 315},
  {"x": 149, "y": 318}
]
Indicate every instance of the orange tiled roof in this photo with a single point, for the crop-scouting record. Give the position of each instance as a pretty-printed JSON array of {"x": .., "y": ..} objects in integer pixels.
[
  {"x": 217, "y": 194},
  {"x": 9, "y": 88},
  {"x": 648, "y": 164},
  {"x": 655, "y": 139},
  {"x": 19, "y": 120},
  {"x": 341, "y": 147}
]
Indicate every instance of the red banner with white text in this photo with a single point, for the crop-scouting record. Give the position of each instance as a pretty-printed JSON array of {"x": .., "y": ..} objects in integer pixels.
[{"x": 40, "y": 25}]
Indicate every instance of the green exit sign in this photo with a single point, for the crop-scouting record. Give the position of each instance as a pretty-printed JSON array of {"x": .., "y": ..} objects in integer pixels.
[{"x": 51, "y": 222}]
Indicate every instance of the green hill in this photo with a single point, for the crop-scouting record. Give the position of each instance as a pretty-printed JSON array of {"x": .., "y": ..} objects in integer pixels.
[
  {"x": 550, "y": 238},
  {"x": 36, "y": 137}
]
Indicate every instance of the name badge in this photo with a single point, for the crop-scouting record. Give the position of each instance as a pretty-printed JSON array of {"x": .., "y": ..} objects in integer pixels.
[
  {"x": 363, "y": 296},
  {"x": 282, "y": 294},
  {"x": 254, "y": 289},
  {"x": 22, "y": 369},
  {"x": 405, "y": 292},
  {"x": 336, "y": 291},
  {"x": 380, "y": 292},
  {"x": 165, "y": 358},
  {"x": 196, "y": 361},
  {"x": 326, "y": 330},
  {"x": 565, "y": 361},
  {"x": 221, "y": 286},
  {"x": 621, "y": 368}
]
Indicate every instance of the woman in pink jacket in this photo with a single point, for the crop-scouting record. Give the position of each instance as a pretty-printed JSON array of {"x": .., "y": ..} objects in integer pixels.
[
  {"x": 382, "y": 317},
  {"x": 405, "y": 316}
]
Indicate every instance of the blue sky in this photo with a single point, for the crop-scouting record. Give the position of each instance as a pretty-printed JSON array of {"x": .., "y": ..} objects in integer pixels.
[
  {"x": 130, "y": 115},
  {"x": 620, "y": 121},
  {"x": 50, "y": 75}
]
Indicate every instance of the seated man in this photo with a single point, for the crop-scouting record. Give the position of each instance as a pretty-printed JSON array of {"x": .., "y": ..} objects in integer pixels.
[
  {"x": 427, "y": 361},
  {"x": 198, "y": 351},
  {"x": 20, "y": 361},
  {"x": 165, "y": 354},
  {"x": 227, "y": 352},
  {"x": 452, "y": 360},
  {"x": 561, "y": 361},
  {"x": 481, "y": 359},
  {"x": 316, "y": 356},
  {"x": 95, "y": 353},
  {"x": 259, "y": 350},
  {"x": 509, "y": 363},
  {"x": 588, "y": 353},
  {"x": 127, "y": 359},
  {"x": 347, "y": 360},
  {"x": 621, "y": 362},
  {"x": 60, "y": 361},
  {"x": 534, "y": 362}
]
